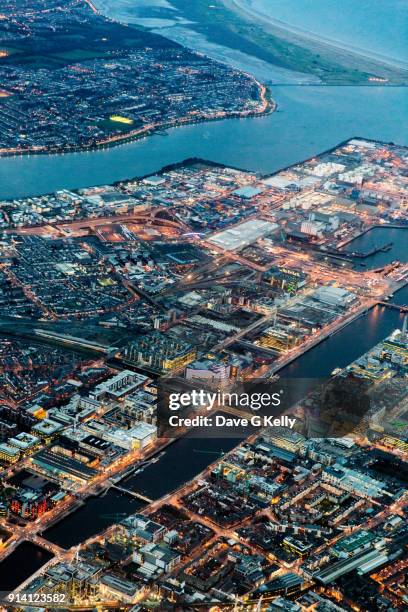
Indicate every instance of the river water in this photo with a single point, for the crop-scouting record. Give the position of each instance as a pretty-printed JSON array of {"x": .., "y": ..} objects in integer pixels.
[
  {"x": 378, "y": 237},
  {"x": 187, "y": 457},
  {"x": 26, "y": 559},
  {"x": 181, "y": 462},
  {"x": 309, "y": 120}
]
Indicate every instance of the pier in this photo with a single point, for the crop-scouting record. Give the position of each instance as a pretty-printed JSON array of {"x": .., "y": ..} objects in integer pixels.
[
  {"x": 337, "y": 253},
  {"x": 376, "y": 249}
]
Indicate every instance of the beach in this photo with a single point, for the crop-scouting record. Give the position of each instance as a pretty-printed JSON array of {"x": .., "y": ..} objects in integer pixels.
[{"x": 249, "y": 10}]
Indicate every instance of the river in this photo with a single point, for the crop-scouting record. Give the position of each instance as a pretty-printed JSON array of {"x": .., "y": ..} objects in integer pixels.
[
  {"x": 181, "y": 462},
  {"x": 308, "y": 121},
  {"x": 26, "y": 559},
  {"x": 188, "y": 456}
]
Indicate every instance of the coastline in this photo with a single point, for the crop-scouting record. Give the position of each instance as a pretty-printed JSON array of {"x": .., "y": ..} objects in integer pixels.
[
  {"x": 200, "y": 160},
  {"x": 168, "y": 494},
  {"x": 269, "y": 106},
  {"x": 265, "y": 105},
  {"x": 285, "y": 29},
  {"x": 229, "y": 23},
  {"x": 195, "y": 160}
]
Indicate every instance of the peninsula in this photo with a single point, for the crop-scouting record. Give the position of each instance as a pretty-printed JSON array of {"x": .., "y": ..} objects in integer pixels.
[
  {"x": 235, "y": 25},
  {"x": 71, "y": 79}
]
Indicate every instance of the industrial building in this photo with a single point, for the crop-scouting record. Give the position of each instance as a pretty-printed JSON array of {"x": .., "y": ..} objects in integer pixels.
[{"x": 239, "y": 236}]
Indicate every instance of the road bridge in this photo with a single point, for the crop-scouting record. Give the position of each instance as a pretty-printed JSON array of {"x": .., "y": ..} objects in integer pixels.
[
  {"x": 400, "y": 307},
  {"x": 134, "y": 494},
  {"x": 152, "y": 216},
  {"x": 44, "y": 543}
]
